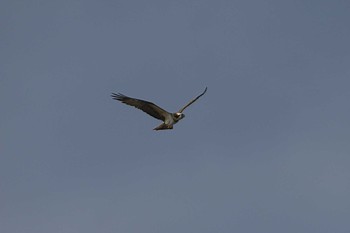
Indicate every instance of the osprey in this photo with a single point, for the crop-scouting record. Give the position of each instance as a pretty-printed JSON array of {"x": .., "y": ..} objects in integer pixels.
[{"x": 169, "y": 119}]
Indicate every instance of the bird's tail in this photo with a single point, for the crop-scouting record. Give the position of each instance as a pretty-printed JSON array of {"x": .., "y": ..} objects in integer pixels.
[{"x": 163, "y": 126}]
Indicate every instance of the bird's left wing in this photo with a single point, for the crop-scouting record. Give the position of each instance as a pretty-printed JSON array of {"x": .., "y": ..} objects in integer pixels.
[
  {"x": 147, "y": 107},
  {"x": 192, "y": 101}
]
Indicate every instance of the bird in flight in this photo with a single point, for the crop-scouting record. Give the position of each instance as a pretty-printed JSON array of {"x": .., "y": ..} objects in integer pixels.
[{"x": 169, "y": 119}]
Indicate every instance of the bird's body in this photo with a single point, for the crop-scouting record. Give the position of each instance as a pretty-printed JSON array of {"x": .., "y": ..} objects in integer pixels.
[{"x": 169, "y": 119}]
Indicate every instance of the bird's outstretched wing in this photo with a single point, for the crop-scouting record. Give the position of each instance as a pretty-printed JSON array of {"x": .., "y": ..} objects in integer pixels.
[
  {"x": 147, "y": 107},
  {"x": 192, "y": 101}
]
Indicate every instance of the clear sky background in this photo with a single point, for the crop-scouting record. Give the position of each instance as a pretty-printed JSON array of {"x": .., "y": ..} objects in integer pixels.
[{"x": 267, "y": 149}]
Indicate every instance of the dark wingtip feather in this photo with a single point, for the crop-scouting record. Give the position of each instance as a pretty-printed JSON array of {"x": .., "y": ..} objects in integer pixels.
[{"x": 118, "y": 96}]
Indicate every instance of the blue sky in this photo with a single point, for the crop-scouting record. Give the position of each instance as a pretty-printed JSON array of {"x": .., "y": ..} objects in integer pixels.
[{"x": 265, "y": 150}]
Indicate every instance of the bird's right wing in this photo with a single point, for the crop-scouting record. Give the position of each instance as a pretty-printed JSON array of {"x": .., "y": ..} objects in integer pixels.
[{"x": 147, "y": 107}]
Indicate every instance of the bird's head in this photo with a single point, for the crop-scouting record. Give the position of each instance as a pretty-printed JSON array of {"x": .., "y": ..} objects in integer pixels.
[{"x": 178, "y": 116}]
